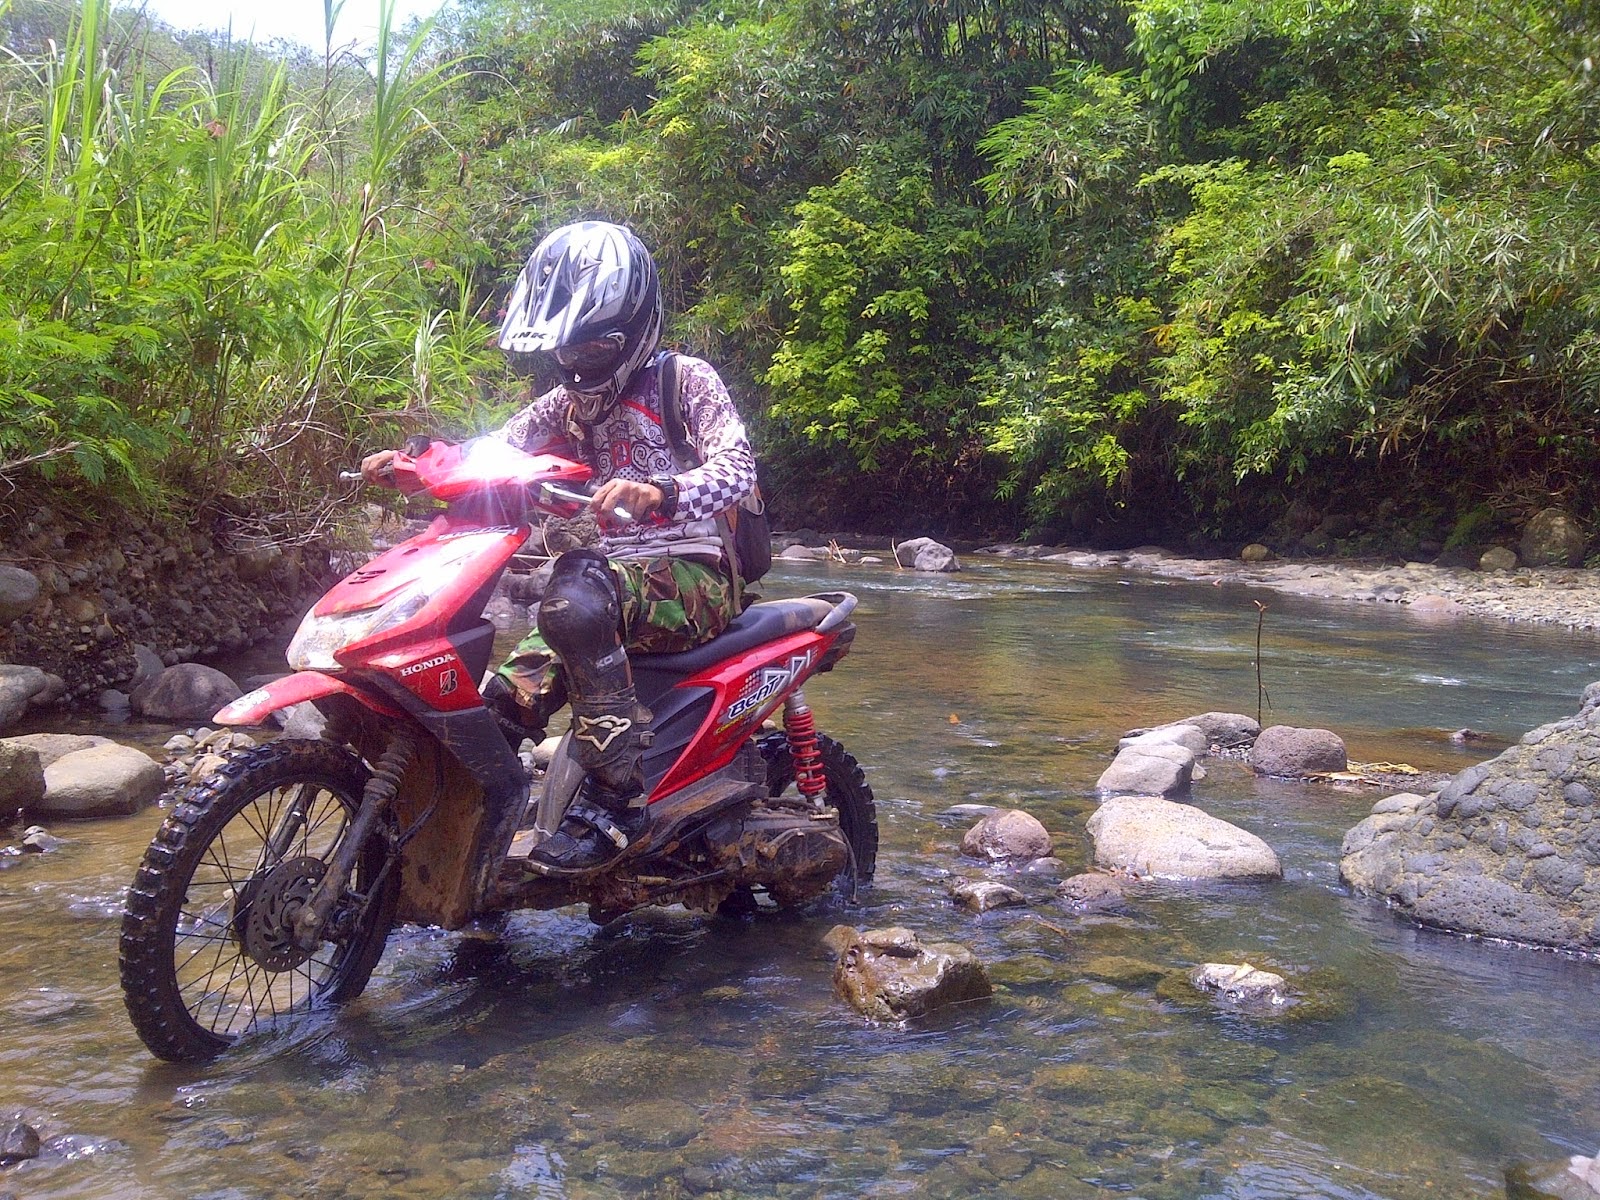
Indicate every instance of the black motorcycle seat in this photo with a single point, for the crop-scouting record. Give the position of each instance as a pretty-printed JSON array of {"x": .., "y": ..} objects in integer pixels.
[{"x": 764, "y": 621}]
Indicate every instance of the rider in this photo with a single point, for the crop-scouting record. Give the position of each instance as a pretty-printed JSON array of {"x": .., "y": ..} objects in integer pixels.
[{"x": 590, "y": 298}]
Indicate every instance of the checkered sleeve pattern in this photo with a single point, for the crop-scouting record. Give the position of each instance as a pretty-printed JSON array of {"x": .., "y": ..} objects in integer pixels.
[
  {"x": 537, "y": 426},
  {"x": 727, "y": 473}
]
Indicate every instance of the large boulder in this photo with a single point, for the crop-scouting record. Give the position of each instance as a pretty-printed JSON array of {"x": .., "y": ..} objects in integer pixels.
[
  {"x": 890, "y": 975},
  {"x": 21, "y": 778},
  {"x": 1147, "y": 836},
  {"x": 1291, "y": 752},
  {"x": 1509, "y": 848},
  {"x": 925, "y": 554},
  {"x": 1010, "y": 834},
  {"x": 1553, "y": 539},
  {"x": 1150, "y": 768},
  {"x": 186, "y": 692},
  {"x": 19, "y": 592},
  {"x": 102, "y": 781},
  {"x": 51, "y": 746}
]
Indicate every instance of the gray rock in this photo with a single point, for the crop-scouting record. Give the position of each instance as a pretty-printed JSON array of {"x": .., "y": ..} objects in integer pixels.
[
  {"x": 1574, "y": 1178},
  {"x": 18, "y": 1141},
  {"x": 982, "y": 895},
  {"x": 1285, "y": 750},
  {"x": 186, "y": 692},
  {"x": 1092, "y": 891},
  {"x": 147, "y": 665},
  {"x": 1553, "y": 539},
  {"x": 20, "y": 686},
  {"x": 1191, "y": 737},
  {"x": 19, "y": 592},
  {"x": 1149, "y": 769},
  {"x": 303, "y": 721},
  {"x": 925, "y": 554},
  {"x": 21, "y": 777},
  {"x": 51, "y": 746},
  {"x": 36, "y": 839},
  {"x": 1497, "y": 558},
  {"x": 102, "y": 781},
  {"x": 1222, "y": 729},
  {"x": 1007, "y": 835},
  {"x": 803, "y": 554},
  {"x": 1508, "y": 848},
  {"x": 890, "y": 975},
  {"x": 1146, "y": 836}
]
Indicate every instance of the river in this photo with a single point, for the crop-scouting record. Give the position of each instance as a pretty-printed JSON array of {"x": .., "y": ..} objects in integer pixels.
[{"x": 673, "y": 1054}]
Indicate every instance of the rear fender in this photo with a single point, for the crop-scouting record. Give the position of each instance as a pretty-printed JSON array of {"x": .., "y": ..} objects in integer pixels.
[{"x": 253, "y": 708}]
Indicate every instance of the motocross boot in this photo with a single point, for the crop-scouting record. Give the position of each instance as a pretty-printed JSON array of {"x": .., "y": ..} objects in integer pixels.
[{"x": 580, "y": 618}]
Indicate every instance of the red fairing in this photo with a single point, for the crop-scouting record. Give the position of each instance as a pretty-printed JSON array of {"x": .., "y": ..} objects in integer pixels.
[
  {"x": 745, "y": 691},
  {"x": 253, "y": 708},
  {"x": 462, "y": 551},
  {"x": 486, "y": 465}
]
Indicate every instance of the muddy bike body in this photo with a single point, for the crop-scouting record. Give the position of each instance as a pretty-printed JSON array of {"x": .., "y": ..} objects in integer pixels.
[{"x": 272, "y": 885}]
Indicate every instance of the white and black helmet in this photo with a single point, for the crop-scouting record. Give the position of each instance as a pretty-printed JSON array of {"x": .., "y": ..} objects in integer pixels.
[{"x": 589, "y": 296}]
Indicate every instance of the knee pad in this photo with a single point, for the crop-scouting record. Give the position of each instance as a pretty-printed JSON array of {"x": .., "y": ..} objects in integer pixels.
[{"x": 581, "y": 613}]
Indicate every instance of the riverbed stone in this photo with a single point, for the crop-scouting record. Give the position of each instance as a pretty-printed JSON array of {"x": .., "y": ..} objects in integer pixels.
[
  {"x": 20, "y": 686},
  {"x": 1149, "y": 836},
  {"x": 1508, "y": 848},
  {"x": 892, "y": 976},
  {"x": 1190, "y": 737},
  {"x": 51, "y": 746},
  {"x": 1553, "y": 538},
  {"x": 21, "y": 777},
  {"x": 102, "y": 781},
  {"x": 1150, "y": 768},
  {"x": 1291, "y": 752},
  {"x": 18, "y": 1141},
  {"x": 1240, "y": 983},
  {"x": 1008, "y": 835},
  {"x": 1092, "y": 891},
  {"x": 1497, "y": 558},
  {"x": 984, "y": 895},
  {"x": 1223, "y": 730},
  {"x": 1574, "y": 1178},
  {"x": 926, "y": 554},
  {"x": 185, "y": 692},
  {"x": 19, "y": 592}
]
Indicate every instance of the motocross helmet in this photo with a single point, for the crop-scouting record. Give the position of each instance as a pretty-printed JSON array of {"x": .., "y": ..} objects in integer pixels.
[{"x": 590, "y": 297}]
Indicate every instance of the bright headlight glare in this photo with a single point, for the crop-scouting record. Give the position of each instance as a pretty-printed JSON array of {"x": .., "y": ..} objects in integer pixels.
[{"x": 319, "y": 639}]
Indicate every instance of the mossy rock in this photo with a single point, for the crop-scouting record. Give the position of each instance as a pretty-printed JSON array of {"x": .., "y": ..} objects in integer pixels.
[
  {"x": 1027, "y": 970},
  {"x": 1124, "y": 972}
]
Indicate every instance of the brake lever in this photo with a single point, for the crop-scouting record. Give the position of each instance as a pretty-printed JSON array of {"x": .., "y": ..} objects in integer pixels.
[{"x": 554, "y": 491}]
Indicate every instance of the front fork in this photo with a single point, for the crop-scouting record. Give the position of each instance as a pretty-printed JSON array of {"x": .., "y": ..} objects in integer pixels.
[
  {"x": 800, "y": 726},
  {"x": 376, "y": 797}
]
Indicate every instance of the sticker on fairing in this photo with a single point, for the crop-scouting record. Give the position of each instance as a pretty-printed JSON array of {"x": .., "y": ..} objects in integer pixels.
[{"x": 761, "y": 686}]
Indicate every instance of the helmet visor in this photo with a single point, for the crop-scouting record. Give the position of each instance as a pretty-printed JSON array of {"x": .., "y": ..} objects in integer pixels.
[{"x": 597, "y": 356}]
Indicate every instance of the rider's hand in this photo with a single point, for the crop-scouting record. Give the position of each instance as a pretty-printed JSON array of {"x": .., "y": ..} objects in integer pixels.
[
  {"x": 639, "y": 500},
  {"x": 375, "y": 467}
]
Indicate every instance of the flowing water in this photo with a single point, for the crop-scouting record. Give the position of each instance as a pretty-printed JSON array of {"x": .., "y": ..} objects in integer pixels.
[{"x": 676, "y": 1054}]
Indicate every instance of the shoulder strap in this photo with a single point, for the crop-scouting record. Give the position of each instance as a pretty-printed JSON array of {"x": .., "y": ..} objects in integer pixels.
[{"x": 669, "y": 385}]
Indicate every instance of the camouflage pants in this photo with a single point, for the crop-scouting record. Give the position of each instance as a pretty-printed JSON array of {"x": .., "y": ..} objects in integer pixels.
[{"x": 668, "y": 605}]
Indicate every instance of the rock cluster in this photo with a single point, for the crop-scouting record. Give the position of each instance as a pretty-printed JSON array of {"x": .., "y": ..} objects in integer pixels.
[
  {"x": 89, "y": 596},
  {"x": 1509, "y": 848}
]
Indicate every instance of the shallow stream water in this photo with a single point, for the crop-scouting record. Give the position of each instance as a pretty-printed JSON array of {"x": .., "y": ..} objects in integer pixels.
[{"x": 676, "y": 1054}]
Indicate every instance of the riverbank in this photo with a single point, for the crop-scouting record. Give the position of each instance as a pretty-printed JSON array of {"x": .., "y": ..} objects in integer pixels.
[{"x": 1565, "y": 596}]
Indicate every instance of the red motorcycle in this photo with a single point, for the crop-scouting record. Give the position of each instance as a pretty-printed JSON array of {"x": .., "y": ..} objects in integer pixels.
[{"x": 272, "y": 885}]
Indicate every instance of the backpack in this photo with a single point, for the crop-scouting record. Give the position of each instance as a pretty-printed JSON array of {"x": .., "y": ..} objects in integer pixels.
[{"x": 746, "y": 534}]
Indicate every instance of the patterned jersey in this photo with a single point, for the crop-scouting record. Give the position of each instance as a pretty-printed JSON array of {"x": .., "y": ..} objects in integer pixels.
[{"x": 628, "y": 442}]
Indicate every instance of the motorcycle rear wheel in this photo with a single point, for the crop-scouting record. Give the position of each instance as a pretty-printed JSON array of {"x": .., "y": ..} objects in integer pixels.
[
  {"x": 847, "y": 792},
  {"x": 206, "y": 952}
]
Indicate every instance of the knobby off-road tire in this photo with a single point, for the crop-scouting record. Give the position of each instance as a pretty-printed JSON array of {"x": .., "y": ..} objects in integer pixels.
[
  {"x": 206, "y": 954},
  {"x": 847, "y": 792}
]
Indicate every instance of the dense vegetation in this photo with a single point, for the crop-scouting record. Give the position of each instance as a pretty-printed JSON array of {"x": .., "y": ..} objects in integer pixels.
[{"x": 1097, "y": 270}]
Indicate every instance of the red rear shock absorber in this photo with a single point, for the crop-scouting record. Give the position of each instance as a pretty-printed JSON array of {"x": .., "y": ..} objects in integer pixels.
[{"x": 801, "y": 727}]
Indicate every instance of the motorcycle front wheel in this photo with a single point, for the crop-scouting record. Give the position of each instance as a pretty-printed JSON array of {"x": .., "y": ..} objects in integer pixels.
[{"x": 207, "y": 951}]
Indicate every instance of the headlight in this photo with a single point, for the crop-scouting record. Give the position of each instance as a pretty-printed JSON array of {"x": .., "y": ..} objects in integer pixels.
[{"x": 319, "y": 638}]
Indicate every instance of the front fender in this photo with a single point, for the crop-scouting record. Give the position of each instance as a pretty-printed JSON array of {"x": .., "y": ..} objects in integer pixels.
[{"x": 253, "y": 708}]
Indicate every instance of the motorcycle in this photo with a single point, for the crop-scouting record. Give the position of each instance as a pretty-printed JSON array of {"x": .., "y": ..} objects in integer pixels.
[{"x": 272, "y": 885}]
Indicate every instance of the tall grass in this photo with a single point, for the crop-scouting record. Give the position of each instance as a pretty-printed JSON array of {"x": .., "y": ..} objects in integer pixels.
[{"x": 212, "y": 286}]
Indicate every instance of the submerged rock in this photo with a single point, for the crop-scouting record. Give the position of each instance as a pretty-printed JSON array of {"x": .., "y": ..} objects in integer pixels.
[
  {"x": 1009, "y": 834},
  {"x": 890, "y": 975},
  {"x": 1578, "y": 1178},
  {"x": 1240, "y": 983},
  {"x": 982, "y": 895},
  {"x": 1147, "y": 836},
  {"x": 1509, "y": 848},
  {"x": 1092, "y": 890}
]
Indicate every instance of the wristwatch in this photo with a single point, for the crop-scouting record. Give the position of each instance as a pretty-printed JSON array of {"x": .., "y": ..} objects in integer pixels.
[{"x": 669, "y": 495}]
